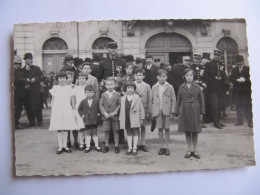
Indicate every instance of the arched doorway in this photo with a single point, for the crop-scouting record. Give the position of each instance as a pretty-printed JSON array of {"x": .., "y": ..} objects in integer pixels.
[
  {"x": 168, "y": 47},
  {"x": 99, "y": 47},
  {"x": 229, "y": 49},
  {"x": 54, "y": 50}
]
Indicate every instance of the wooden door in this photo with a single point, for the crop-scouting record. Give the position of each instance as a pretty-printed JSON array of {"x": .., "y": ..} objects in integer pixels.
[{"x": 53, "y": 62}]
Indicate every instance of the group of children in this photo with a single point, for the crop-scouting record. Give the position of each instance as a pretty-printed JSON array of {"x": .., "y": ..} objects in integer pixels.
[{"x": 79, "y": 108}]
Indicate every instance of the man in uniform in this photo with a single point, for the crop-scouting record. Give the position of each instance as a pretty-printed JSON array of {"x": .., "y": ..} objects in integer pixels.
[
  {"x": 113, "y": 66},
  {"x": 150, "y": 71},
  {"x": 20, "y": 92},
  {"x": 34, "y": 100},
  {"x": 240, "y": 77},
  {"x": 199, "y": 70},
  {"x": 216, "y": 79}
]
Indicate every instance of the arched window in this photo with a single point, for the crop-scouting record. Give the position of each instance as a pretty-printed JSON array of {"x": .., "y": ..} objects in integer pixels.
[
  {"x": 99, "y": 47},
  {"x": 55, "y": 43},
  {"x": 229, "y": 49}
]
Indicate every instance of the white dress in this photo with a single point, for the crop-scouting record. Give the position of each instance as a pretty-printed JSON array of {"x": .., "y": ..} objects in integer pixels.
[
  {"x": 62, "y": 115},
  {"x": 79, "y": 92}
]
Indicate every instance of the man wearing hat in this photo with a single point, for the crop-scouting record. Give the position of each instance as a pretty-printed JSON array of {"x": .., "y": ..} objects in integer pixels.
[
  {"x": 69, "y": 66},
  {"x": 177, "y": 72},
  {"x": 216, "y": 82},
  {"x": 20, "y": 91},
  {"x": 113, "y": 66},
  {"x": 34, "y": 99},
  {"x": 240, "y": 77},
  {"x": 150, "y": 71},
  {"x": 199, "y": 78}
]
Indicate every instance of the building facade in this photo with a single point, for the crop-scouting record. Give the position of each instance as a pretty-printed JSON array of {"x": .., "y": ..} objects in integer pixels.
[{"x": 163, "y": 39}]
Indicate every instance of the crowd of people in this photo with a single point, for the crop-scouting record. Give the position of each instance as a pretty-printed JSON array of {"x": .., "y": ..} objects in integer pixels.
[{"x": 124, "y": 94}]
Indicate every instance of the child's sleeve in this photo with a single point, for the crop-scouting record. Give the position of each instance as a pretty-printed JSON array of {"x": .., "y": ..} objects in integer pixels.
[
  {"x": 101, "y": 102},
  {"x": 178, "y": 102},
  {"x": 202, "y": 103},
  {"x": 118, "y": 103},
  {"x": 80, "y": 109},
  {"x": 173, "y": 101}
]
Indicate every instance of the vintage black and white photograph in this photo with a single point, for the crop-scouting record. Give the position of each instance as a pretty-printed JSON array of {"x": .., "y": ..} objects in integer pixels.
[{"x": 131, "y": 96}]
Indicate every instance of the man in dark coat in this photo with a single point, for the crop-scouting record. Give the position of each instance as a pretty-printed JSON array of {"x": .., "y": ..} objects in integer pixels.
[
  {"x": 177, "y": 71},
  {"x": 113, "y": 66},
  {"x": 69, "y": 66},
  {"x": 150, "y": 71},
  {"x": 20, "y": 92},
  {"x": 34, "y": 100},
  {"x": 240, "y": 77},
  {"x": 216, "y": 81}
]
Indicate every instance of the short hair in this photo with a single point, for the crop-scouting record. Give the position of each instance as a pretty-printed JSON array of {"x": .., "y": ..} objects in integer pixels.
[
  {"x": 87, "y": 64},
  {"x": 70, "y": 73},
  {"x": 186, "y": 71},
  {"x": 161, "y": 71},
  {"x": 139, "y": 70},
  {"x": 149, "y": 57},
  {"x": 82, "y": 74},
  {"x": 89, "y": 88},
  {"x": 129, "y": 64},
  {"x": 61, "y": 74},
  {"x": 129, "y": 83},
  {"x": 110, "y": 79}
]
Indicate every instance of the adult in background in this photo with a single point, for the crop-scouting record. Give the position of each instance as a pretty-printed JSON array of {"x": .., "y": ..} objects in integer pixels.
[
  {"x": 216, "y": 81},
  {"x": 199, "y": 77},
  {"x": 20, "y": 92},
  {"x": 68, "y": 65},
  {"x": 150, "y": 71},
  {"x": 176, "y": 73},
  {"x": 34, "y": 100},
  {"x": 240, "y": 77}
]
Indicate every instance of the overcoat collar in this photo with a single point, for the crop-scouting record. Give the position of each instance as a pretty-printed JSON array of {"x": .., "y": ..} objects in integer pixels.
[
  {"x": 134, "y": 100},
  {"x": 166, "y": 86}
]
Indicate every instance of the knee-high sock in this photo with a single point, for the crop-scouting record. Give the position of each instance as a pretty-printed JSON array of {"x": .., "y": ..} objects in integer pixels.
[
  {"x": 81, "y": 138},
  {"x": 135, "y": 140},
  {"x": 188, "y": 140},
  {"x": 130, "y": 142},
  {"x": 88, "y": 139},
  {"x": 64, "y": 138},
  {"x": 167, "y": 137},
  {"x": 161, "y": 140},
  {"x": 95, "y": 139},
  {"x": 59, "y": 136},
  {"x": 107, "y": 134},
  {"x": 116, "y": 137}
]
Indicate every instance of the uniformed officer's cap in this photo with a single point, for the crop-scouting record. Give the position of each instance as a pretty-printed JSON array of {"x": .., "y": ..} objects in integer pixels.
[
  {"x": 239, "y": 58},
  {"x": 196, "y": 55},
  {"x": 27, "y": 56},
  {"x": 17, "y": 60},
  {"x": 112, "y": 45},
  {"x": 68, "y": 57},
  {"x": 217, "y": 52},
  {"x": 186, "y": 58}
]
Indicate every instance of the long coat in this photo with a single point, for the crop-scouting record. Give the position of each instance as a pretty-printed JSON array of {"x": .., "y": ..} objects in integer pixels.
[
  {"x": 35, "y": 96},
  {"x": 19, "y": 83},
  {"x": 168, "y": 100},
  {"x": 136, "y": 112},
  {"x": 190, "y": 105},
  {"x": 91, "y": 113},
  {"x": 145, "y": 93},
  {"x": 242, "y": 91}
]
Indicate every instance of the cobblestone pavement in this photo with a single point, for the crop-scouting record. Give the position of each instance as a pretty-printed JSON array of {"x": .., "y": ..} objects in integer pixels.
[{"x": 35, "y": 152}]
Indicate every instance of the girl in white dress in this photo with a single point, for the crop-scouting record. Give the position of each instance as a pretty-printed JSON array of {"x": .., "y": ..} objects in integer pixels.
[
  {"x": 79, "y": 92},
  {"x": 62, "y": 112}
]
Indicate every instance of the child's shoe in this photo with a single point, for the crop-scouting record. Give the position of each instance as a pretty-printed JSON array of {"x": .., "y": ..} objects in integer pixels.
[
  {"x": 98, "y": 149},
  {"x": 129, "y": 151},
  {"x": 134, "y": 152},
  {"x": 87, "y": 150},
  {"x": 66, "y": 149},
  {"x": 167, "y": 152},
  {"x": 106, "y": 149},
  {"x": 59, "y": 151},
  {"x": 117, "y": 150},
  {"x": 144, "y": 148},
  {"x": 161, "y": 151},
  {"x": 81, "y": 148}
]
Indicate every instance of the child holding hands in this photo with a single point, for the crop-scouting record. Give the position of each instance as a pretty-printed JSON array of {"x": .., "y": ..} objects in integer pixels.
[{"x": 190, "y": 107}]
